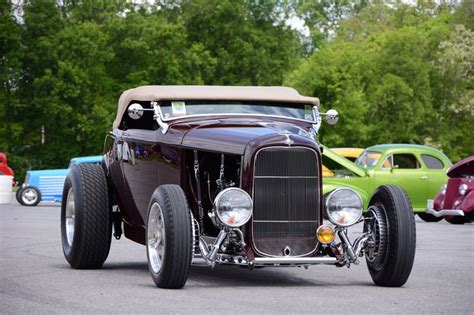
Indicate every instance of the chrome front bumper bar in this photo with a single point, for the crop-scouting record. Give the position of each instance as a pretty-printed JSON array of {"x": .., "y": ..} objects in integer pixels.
[
  {"x": 444, "y": 212},
  {"x": 267, "y": 261},
  {"x": 285, "y": 261}
]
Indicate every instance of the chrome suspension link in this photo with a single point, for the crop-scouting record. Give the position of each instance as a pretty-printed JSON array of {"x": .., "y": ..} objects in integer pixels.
[{"x": 210, "y": 255}]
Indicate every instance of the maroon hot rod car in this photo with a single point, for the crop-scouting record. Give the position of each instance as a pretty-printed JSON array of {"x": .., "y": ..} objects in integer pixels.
[
  {"x": 231, "y": 176},
  {"x": 455, "y": 201}
]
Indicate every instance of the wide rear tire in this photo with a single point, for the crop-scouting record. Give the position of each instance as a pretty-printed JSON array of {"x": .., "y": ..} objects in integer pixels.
[
  {"x": 86, "y": 226},
  {"x": 169, "y": 237},
  {"x": 395, "y": 237}
]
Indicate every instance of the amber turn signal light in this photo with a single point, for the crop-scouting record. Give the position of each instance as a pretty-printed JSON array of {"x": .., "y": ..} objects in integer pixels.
[{"x": 325, "y": 234}]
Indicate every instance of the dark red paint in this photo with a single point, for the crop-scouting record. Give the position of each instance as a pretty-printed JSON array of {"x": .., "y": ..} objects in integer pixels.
[{"x": 139, "y": 161}]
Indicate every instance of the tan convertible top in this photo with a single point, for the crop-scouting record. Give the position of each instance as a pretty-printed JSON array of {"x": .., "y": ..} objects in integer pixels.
[{"x": 205, "y": 92}]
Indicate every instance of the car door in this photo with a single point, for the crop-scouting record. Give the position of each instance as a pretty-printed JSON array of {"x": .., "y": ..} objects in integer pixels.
[
  {"x": 139, "y": 167},
  {"x": 405, "y": 170}
]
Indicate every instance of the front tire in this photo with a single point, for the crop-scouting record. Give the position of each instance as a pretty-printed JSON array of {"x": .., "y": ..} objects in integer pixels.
[
  {"x": 86, "y": 227},
  {"x": 395, "y": 237},
  {"x": 28, "y": 196},
  {"x": 169, "y": 237},
  {"x": 428, "y": 217}
]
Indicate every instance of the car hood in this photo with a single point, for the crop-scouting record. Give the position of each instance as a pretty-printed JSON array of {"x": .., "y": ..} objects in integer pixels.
[
  {"x": 233, "y": 136},
  {"x": 343, "y": 161},
  {"x": 462, "y": 168}
]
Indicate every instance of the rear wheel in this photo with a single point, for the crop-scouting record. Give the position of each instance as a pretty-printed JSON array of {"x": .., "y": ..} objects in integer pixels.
[
  {"x": 428, "y": 217},
  {"x": 17, "y": 195},
  {"x": 393, "y": 228},
  {"x": 169, "y": 237},
  {"x": 86, "y": 226},
  {"x": 28, "y": 196},
  {"x": 456, "y": 220}
]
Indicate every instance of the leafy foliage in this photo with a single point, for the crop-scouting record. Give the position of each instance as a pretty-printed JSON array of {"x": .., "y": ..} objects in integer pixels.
[{"x": 396, "y": 72}]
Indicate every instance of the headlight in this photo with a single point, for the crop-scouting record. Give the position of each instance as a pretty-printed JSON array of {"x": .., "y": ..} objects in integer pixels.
[
  {"x": 443, "y": 189},
  {"x": 233, "y": 207},
  {"x": 344, "y": 207},
  {"x": 462, "y": 189}
]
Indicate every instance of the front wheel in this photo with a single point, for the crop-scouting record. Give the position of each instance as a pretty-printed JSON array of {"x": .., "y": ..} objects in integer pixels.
[
  {"x": 428, "y": 217},
  {"x": 394, "y": 233},
  {"x": 169, "y": 237}
]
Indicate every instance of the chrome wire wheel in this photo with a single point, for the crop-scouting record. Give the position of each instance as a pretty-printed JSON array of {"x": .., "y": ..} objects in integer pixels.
[
  {"x": 70, "y": 216},
  {"x": 379, "y": 234},
  {"x": 29, "y": 196},
  {"x": 156, "y": 238}
]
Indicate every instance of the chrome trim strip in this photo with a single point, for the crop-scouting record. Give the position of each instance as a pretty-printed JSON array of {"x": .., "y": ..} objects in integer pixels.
[
  {"x": 445, "y": 212},
  {"x": 295, "y": 260},
  {"x": 286, "y": 221},
  {"x": 236, "y": 115},
  {"x": 262, "y": 176},
  {"x": 253, "y": 196}
]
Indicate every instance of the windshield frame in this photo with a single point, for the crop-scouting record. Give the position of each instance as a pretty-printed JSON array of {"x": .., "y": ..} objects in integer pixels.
[{"x": 169, "y": 119}]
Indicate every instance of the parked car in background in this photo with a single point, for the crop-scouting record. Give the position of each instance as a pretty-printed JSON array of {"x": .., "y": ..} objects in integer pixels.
[
  {"x": 212, "y": 175},
  {"x": 47, "y": 185},
  {"x": 349, "y": 153},
  {"x": 4, "y": 168},
  {"x": 455, "y": 201},
  {"x": 419, "y": 170}
]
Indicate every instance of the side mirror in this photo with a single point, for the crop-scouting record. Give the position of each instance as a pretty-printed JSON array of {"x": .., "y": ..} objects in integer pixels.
[
  {"x": 395, "y": 167},
  {"x": 135, "y": 111},
  {"x": 332, "y": 116}
]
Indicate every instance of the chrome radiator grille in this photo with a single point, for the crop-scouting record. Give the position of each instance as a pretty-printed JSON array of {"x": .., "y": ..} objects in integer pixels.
[{"x": 286, "y": 201}]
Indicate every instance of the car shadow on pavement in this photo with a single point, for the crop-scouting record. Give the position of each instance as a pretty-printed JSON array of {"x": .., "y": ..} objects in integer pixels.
[
  {"x": 234, "y": 276},
  {"x": 136, "y": 265},
  {"x": 228, "y": 276}
]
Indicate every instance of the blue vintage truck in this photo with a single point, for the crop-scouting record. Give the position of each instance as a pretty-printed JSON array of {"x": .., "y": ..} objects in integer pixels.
[{"x": 47, "y": 185}]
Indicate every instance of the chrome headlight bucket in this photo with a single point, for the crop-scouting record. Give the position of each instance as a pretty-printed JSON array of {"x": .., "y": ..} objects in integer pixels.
[
  {"x": 233, "y": 207},
  {"x": 442, "y": 189},
  {"x": 344, "y": 207},
  {"x": 462, "y": 189}
]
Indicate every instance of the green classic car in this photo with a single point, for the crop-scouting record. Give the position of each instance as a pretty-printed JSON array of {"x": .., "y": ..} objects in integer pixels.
[{"x": 420, "y": 170}]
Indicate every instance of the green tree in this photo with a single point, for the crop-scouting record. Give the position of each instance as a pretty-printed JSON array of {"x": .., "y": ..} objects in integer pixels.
[
  {"x": 395, "y": 75},
  {"x": 456, "y": 93},
  {"x": 41, "y": 23},
  {"x": 10, "y": 73},
  {"x": 250, "y": 43}
]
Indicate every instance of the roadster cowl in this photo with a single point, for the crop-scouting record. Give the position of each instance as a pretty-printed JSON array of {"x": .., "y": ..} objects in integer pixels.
[{"x": 227, "y": 175}]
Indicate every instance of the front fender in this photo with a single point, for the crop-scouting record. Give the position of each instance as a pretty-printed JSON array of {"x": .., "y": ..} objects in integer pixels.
[{"x": 467, "y": 205}]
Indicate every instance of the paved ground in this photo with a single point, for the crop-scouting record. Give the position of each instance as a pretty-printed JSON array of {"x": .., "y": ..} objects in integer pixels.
[{"x": 35, "y": 278}]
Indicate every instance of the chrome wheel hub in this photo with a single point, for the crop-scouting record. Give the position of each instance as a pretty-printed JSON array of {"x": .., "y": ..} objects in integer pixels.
[
  {"x": 70, "y": 216},
  {"x": 379, "y": 233},
  {"x": 29, "y": 196},
  {"x": 156, "y": 237}
]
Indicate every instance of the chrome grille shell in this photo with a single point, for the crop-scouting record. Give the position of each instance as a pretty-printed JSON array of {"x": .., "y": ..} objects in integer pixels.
[{"x": 286, "y": 201}]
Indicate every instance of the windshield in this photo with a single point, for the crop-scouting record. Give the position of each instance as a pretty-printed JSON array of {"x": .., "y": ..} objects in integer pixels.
[
  {"x": 368, "y": 159},
  {"x": 174, "y": 109}
]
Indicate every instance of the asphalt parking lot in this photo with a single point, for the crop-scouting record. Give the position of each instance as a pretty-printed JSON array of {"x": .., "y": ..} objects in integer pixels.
[{"x": 35, "y": 278}]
